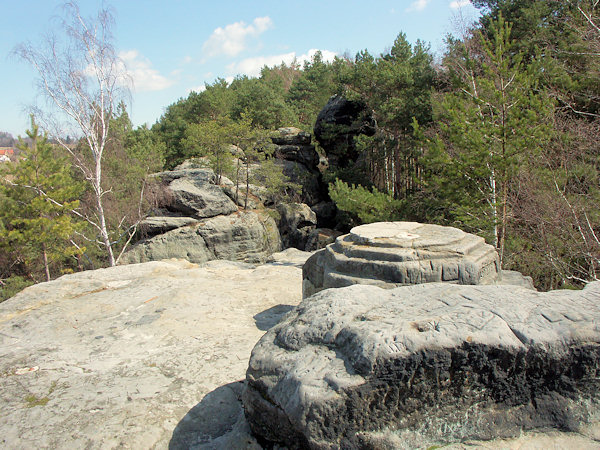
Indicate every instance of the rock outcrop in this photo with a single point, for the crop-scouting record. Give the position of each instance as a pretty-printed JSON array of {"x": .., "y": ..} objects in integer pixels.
[
  {"x": 200, "y": 222},
  {"x": 425, "y": 365},
  {"x": 337, "y": 124},
  {"x": 138, "y": 356},
  {"x": 297, "y": 223},
  {"x": 390, "y": 254},
  {"x": 246, "y": 236}
]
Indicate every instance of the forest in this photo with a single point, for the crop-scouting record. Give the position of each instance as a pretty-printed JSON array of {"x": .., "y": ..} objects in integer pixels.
[{"x": 498, "y": 137}]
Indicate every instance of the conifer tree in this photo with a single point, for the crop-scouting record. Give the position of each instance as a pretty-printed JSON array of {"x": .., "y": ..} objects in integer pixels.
[
  {"x": 494, "y": 122},
  {"x": 38, "y": 197}
]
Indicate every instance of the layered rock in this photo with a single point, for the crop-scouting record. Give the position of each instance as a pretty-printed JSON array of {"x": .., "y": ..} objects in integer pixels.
[
  {"x": 390, "y": 254},
  {"x": 297, "y": 223},
  {"x": 246, "y": 236},
  {"x": 416, "y": 366},
  {"x": 293, "y": 144}
]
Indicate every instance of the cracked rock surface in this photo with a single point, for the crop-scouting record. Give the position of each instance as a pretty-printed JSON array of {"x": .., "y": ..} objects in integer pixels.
[
  {"x": 138, "y": 356},
  {"x": 430, "y": 364}
]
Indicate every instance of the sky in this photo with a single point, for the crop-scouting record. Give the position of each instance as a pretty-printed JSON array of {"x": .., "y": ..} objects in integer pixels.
[{"x": 173, "y": 47}]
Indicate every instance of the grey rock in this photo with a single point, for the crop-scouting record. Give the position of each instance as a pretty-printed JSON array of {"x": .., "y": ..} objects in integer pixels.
[
  {"x": 245, "y": 236},
  {"x": 337, "y": 124},
  {"x": 175, "y": 341},
  {"x": 326, "y": 214},
  {"x": 424, "y": 365},
  {"x": 304, "y": 154},
  {"x": 297, "y": 223},
  {"x": 199, "y": 200},
  {"x": 390, "y": 254},
  {"x": 291, "y": 136},
  {"x": 321, "y": 238},
  {"x": 310, "y": 180},
  {"x": 151, "y": 226},
  {"x": 183, "y": 243}
]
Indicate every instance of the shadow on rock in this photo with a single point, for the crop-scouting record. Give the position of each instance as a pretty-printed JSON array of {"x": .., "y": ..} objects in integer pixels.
[
  {"x": 217, "y": 422},
  {"x": 271, "y": 317}
]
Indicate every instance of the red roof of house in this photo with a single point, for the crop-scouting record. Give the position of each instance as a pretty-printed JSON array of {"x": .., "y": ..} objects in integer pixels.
[{"x": 6, "y": 151}]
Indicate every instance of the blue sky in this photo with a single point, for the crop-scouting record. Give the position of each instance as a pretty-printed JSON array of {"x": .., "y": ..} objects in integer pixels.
[{"x": 175, "y": 46}]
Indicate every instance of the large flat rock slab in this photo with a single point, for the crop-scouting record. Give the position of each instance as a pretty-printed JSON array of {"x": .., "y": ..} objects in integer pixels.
[
  {"x": 391, "y": 254},
  {"x": 429, "y": 364},
  {"x": 137, "y": 356}
]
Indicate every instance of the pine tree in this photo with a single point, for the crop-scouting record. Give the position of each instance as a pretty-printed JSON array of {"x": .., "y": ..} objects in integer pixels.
[
  {"x": 38, "y": 194},
  {"x": 494, "y": 122}
]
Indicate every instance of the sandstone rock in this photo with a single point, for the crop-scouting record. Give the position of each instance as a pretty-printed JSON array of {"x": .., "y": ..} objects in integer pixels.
[
  {"x": 291, "y": 136},
  {"x": 245, "y": 236},
  {"x": 321, "y": 238},
  {"x": 424, "y": 365},
  {"x": 304, "y": 154},
  {"x": 199, "y": 200},
  {"x": 297, "y": 223},
  {"x": 139, "y": 356},
  {"x": 313, "y": 191},
  {"x": 151, "y": 226},
  {"x": 337, "y": 124},
  {"x": 326, "y": 213},
  {"x": 389, "y": 254},
  {"x": 183, "y": 243}
]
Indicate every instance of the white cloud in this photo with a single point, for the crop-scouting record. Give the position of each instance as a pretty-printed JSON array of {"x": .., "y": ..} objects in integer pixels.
[
  {"x": 417, "y": 5},
  {"x": 198, "y": 89},
  {"x": 231, "y": 40},
  {"x": 140, "y": 70},
  {"x": 252, "y": 66},
  {"x": 459, "y": 4}
]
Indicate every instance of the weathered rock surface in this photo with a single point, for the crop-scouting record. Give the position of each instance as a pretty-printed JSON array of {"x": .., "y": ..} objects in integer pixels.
[
  {"x": 337, "y": 124},
  {"x": 138, "y": 356},
  {"x": 151, "y": 226},
  {"x": 313, "y": 191},
  {"x": 321, "y": 238},
  {"x": 297, "y": 223},
  {"x": 415, "y": 366},
  {"x": 199, "y": 200},
  {"x": 291, "y": 136},
  {"x": 390, "y": 254},
  {"x": 246, "y": 236}
]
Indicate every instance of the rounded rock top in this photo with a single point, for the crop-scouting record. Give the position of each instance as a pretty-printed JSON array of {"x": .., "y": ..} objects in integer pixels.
[{"x": 405, "y": 234}]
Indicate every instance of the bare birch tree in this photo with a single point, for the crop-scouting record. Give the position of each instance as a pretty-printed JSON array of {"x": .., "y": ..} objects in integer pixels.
[{"x": 82, "y": 81}]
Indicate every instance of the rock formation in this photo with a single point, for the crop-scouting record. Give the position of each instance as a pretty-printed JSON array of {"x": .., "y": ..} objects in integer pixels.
[
  {"x": 337, "y": 124},
  {"x": 424, "y": 365},
  {"x": 202, "y": 218},
  {"x": 390, "y": 254},
  {"x": 138, "y": 356}
]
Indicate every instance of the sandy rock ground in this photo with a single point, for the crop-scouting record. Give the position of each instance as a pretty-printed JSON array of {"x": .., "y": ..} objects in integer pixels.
[
  {"x": 150, "y": 356},
  {"x": 140, "y": 356}
]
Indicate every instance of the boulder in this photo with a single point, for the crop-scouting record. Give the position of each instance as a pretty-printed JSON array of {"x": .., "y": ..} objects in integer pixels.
[
  {"x": 304, "y": 154},
  {"x": 390, "y": 254},
  {"x": 153, "y": 225},
  {"x": 199, "y": 200},
  {"x": 245, "y": 236},
  {"x": 183, "y": 243},
  {"x": 291, "y": 136},
  {"x": 426, "y": 365},
  {"x": 297, "y": 223},
  {"x": 337, "y": 124}
]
